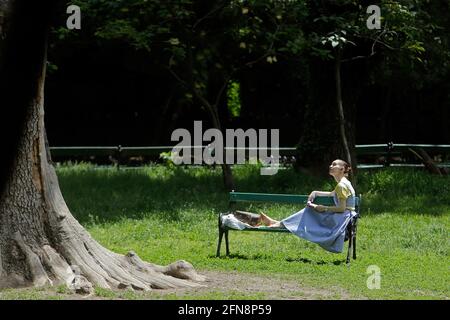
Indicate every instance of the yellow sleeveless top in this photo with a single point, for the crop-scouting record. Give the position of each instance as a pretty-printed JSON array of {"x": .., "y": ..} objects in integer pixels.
[{"x": 344, "y": 189}]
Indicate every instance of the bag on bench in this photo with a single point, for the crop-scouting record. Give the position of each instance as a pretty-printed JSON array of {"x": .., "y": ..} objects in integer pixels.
[
  {"x": 240, "y": 220},
  {"x": 250, "y": 218}
]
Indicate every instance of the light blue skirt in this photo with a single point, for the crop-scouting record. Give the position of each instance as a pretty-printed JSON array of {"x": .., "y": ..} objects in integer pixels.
[{"x": 327, "y": 229}]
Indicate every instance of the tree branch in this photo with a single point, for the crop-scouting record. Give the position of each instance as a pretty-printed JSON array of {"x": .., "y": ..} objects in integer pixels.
[
  {"x": 248, "y": 64},
  {"x": 376, "y": 40},
  {"x": 176, "y": 76},
  {"x": 220, "y": 6},
  {"x": 222, "y": 89}
]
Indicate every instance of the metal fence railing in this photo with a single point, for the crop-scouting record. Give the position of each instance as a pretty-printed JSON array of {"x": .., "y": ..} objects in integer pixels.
[{"x": 388, "y": 152}]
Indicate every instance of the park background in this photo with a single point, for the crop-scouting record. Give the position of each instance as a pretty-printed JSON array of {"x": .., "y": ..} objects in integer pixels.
[
  {"x": 108, "y": 83},
  {"x": 137, "y": 70}
]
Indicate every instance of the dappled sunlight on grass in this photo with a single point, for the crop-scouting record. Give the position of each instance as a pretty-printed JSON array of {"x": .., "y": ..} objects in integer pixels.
[{"x": 170, "y": 214}]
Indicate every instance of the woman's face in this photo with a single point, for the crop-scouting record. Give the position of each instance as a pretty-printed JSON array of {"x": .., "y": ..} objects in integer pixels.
[{"x": 336, "y": 167}]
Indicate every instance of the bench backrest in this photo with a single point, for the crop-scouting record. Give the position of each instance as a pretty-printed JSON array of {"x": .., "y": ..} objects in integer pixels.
[{"x": 284, "y": 198}]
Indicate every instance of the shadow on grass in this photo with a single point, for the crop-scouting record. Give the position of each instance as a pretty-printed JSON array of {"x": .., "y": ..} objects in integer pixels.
[
  {"x": 404, "y": 204},
  {"x": 239, "y": 256},
  {"x": 173, "y": 194},
  {"x": 109, "y": 195},
  {"x": 404, "y": 191},
  {"x": 320, "y": 262}
]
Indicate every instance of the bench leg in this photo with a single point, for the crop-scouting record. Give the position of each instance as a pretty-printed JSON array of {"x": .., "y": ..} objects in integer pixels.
[
  {"x": 349, "y": 248},
  {"x": 226, "y": 242},
  {"x": 221, "y": 232}
]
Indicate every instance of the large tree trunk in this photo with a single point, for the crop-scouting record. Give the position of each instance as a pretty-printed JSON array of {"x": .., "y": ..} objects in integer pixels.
[{"x": 40, "y": 241}]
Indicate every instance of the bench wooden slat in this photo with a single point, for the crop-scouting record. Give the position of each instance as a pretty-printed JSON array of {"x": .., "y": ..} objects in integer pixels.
[
  {"x": 266, "y": 229},
  {"x": 280, "y": 198}
]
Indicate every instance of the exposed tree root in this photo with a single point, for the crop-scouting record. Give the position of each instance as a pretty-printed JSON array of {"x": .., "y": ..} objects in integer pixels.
[{"x": 41, "y": 243}]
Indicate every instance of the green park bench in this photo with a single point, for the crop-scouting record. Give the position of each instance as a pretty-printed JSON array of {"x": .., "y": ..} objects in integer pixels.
[{"x": 235, "y": 197}]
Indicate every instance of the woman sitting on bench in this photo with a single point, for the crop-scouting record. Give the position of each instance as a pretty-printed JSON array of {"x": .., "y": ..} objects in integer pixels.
[{"x": 324, "y": 225}]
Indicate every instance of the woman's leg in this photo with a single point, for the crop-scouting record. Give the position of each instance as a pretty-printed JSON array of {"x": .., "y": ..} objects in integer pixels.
[
  {"x": 276, "y": 225},
  {"x": 268, "y": 221}
]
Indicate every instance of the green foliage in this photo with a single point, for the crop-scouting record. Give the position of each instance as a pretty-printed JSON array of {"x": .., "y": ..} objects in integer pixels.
[
  {"x": 207, "y": 43},
  {"x": 223, "y": 36},
  {"x": 198, "y": 38},
  {"x": 234, "y": 100},
  {"x": 344, "y": 22},
  {"x": 167, "y": 159}
]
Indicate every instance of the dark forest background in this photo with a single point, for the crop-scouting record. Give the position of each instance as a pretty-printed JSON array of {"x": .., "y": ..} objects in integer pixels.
[{"x": 137, "y": 70}]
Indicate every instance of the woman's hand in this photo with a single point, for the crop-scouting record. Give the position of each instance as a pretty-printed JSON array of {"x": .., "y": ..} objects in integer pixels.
[
  {"x": 320, "y": 208},
  {"x": 317, "y": 207},
  {"x": 311, "y": 196}
]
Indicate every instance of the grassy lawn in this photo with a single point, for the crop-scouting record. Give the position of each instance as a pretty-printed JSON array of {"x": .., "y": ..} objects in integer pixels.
[{"x": 166, "y": 214}]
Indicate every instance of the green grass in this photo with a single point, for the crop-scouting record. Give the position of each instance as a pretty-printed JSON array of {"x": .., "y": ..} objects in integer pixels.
[
  {"x": 167, "y": 214},
  {"x": 30, "y": 294}
]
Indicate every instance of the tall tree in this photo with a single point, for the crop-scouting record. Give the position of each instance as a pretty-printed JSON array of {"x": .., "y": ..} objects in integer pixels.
[
  {"x": 203, "y": 44},
  {"x": 338, "y": 33},
  {"x": 41, "y": 243}
]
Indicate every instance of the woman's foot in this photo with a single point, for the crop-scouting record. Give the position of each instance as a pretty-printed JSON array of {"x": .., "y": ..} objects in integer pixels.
[
  {"x": 275, "y": 225},
  {"x": 265, "y": 221}
]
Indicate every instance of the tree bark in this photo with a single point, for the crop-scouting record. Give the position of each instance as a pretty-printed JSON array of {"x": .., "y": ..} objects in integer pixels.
[
  {"x": 227, "y": 174},
  {"x": 340, "y": 106},
  {"x": 326, "y": 132},
  {"x": 212, "y": 109},
  {"x": 41, "y": 243},
  {"x": 385, "y": 122},
  {"x": 427, "y": 161}
]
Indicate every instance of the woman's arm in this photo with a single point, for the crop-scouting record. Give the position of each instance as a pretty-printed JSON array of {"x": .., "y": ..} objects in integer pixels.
[
  {"x": 340, "y": 208},
  {"x": 314, "y": 194},
  {"x": 324, "y": 193}
]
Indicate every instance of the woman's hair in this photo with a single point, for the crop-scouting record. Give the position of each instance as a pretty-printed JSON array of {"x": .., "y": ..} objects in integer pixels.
[{"x": 347, "y": 167}]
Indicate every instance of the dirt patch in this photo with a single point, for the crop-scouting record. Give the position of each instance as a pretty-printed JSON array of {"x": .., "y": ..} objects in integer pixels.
[
  {"x": 219, "y": 285},
  {"x": 273, "y": 287}
]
